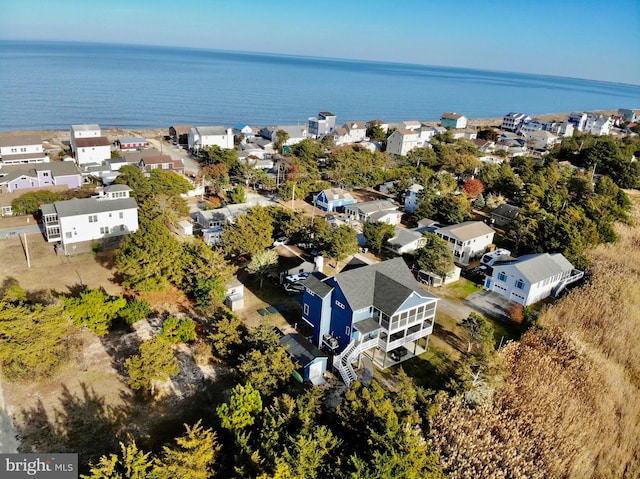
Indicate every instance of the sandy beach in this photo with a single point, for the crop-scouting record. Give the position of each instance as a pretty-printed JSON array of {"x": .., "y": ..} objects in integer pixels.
[{"x": 55, "y": 139}]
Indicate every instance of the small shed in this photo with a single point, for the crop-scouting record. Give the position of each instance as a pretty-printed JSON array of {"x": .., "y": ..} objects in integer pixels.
[
  {"x": 312, "y": 361},
  {"x": 185, "y": 227},
  {"x": 234, "y": 296}
]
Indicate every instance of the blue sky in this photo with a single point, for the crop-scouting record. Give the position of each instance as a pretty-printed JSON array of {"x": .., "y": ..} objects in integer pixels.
[{"x": 584, "y": 39}]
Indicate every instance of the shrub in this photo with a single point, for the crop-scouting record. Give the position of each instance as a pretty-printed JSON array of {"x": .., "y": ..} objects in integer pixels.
[{"x": 177, "y": 330}]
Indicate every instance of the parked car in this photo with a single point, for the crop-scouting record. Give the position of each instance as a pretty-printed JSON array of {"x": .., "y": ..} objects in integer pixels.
[
  {"x": 399, "y": 353},
  {"x": 293, "y": 288},
  {"x": 296, "y": 278}
]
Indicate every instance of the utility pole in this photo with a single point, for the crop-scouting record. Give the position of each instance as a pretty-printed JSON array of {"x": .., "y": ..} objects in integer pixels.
[{"x": 26, "y": 250}]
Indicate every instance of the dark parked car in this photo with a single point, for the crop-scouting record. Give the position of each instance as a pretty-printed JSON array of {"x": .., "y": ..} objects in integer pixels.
[{"x": 398, "y": 354}]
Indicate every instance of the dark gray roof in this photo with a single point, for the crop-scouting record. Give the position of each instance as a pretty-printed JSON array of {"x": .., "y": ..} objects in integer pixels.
[
  {"x": 87, "y": 206},
  {"x": 317, "y": 286},
  {"x": 385, "y": 285},
  {"x": 302, "y": 350},
  {"x": 508, "y": 211}
]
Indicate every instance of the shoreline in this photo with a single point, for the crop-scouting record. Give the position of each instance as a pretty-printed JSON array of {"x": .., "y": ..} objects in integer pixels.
[{"x": 153, "y": 132}]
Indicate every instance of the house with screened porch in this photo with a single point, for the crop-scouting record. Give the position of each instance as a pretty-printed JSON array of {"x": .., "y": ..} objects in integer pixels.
[{"x": 378, "y": 310}]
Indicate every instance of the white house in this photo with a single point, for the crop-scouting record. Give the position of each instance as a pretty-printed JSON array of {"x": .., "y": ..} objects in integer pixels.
[
  {"x": 541, "y": 140},
  {"x": 204, "y": 136},
  {"x": 20, "y": 149},
  {"x": 453, "y": 121},
  {"x": 467, "y": 240},
  {"x": 577, "y": 119},
  {"x": 83, "y": 131},
  {"x": 78, "y": 223},
  {"x": 531, "y": 278},
  {"x": 370, "y": 211},
  {"x": 414, "y": 125},
  {"x": 357, "y": 130},
  {"x": 405, "y": 241},
  {"x": 402, "y": 141},
  {"x": 296, "y": 133},
  {"x": 512, "y": 121},
  {"x": 598, "y": 124},
  {"x": 92, "y": 150}
]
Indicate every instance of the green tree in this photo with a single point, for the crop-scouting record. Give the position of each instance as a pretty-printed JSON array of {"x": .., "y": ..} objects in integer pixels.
[
  {"x": 193, "y": 457},
  {"x": 156, "y": 362},
  {"x": 281, "y": 138},
  {"x": 150, "y": 258},
  {"x": 214, "y": 154},
  {"x": 205, "y": 275},
  {"x": 377, "y": 233},
  {"x": 480, "y": 332},
  {"x": 266, "y": 370},
  {"x": 135, "y": 310},
  {"x": 177, "y": 330},
  {"x": 341, "y": 243},
  {"x": 34, "y": 339},
  {"x": 94, "y": 309},
  {"x": 435, "y": 255},
  {"x": 241, "y": 410},
  {"x": 237, "y": 195},
  {"x": 132, "y": 464},
  {"x": 30, "y": 203},
  {"x": 251, "y": 232},
  {"x": 228, "y": 334},
  {"x": 375, "y": 132},
  {"x": 262, "y": 263}
]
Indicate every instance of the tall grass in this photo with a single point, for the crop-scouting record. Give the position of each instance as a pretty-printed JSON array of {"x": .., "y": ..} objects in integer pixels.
[{"x": 569, "y": 406}]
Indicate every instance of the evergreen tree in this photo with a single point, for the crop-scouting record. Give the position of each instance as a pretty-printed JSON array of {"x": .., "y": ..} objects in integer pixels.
[
  {"x": 156, "y": 362},
  {"x": 241, "y": 410},
  {"x": 94, "y": 309},
  {"x": 192, "y": 458},
  {"x": 132, "y": 464}
]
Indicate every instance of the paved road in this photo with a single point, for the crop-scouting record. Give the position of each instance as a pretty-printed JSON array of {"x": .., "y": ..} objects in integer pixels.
[
  {"x": 191, "y": 166},
  {"x": 19, "y": 230}
]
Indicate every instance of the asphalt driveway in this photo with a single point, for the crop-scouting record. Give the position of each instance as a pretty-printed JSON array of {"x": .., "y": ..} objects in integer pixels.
[{"x": 490, "y": 304}]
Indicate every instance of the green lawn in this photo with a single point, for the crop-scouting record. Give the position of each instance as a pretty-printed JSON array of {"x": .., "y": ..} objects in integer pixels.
[{"x": 459, "y": 290}]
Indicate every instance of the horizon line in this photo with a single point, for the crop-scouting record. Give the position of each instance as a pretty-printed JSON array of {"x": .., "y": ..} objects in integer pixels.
[{"x": 314, "y": 57}]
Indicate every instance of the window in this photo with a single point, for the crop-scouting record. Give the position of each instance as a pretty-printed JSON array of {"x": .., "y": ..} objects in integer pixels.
[
  {"x": 121, "y": 227},
  {"x": 93, "y": 218},
  {"x": 502, "y": 276},
  {"x": 67, "y": 234},
  {"x": 306, "y": 309},
  {"x": 339, "y": 304},
  {"x": 121, "y": 215},
  {"x": 104, "y": 230},
  {"x": 520, "y": 284},
  {"x": 347, "y": 330}
]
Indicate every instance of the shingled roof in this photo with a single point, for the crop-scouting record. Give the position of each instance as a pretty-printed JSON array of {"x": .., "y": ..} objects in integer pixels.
[{"x": 385, "y": 285}]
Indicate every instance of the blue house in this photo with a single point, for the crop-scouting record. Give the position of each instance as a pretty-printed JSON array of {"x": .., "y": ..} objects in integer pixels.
[
  {"x": 331, "y": 199},
  {"x": 377, "y": 308}
]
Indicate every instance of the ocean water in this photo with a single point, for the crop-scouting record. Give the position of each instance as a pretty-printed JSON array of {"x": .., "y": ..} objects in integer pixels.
[{"x": 51, "y": 85}]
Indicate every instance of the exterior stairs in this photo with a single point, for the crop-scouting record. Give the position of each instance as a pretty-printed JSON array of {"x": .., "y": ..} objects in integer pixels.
[{"x": 343, "y": 361}]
